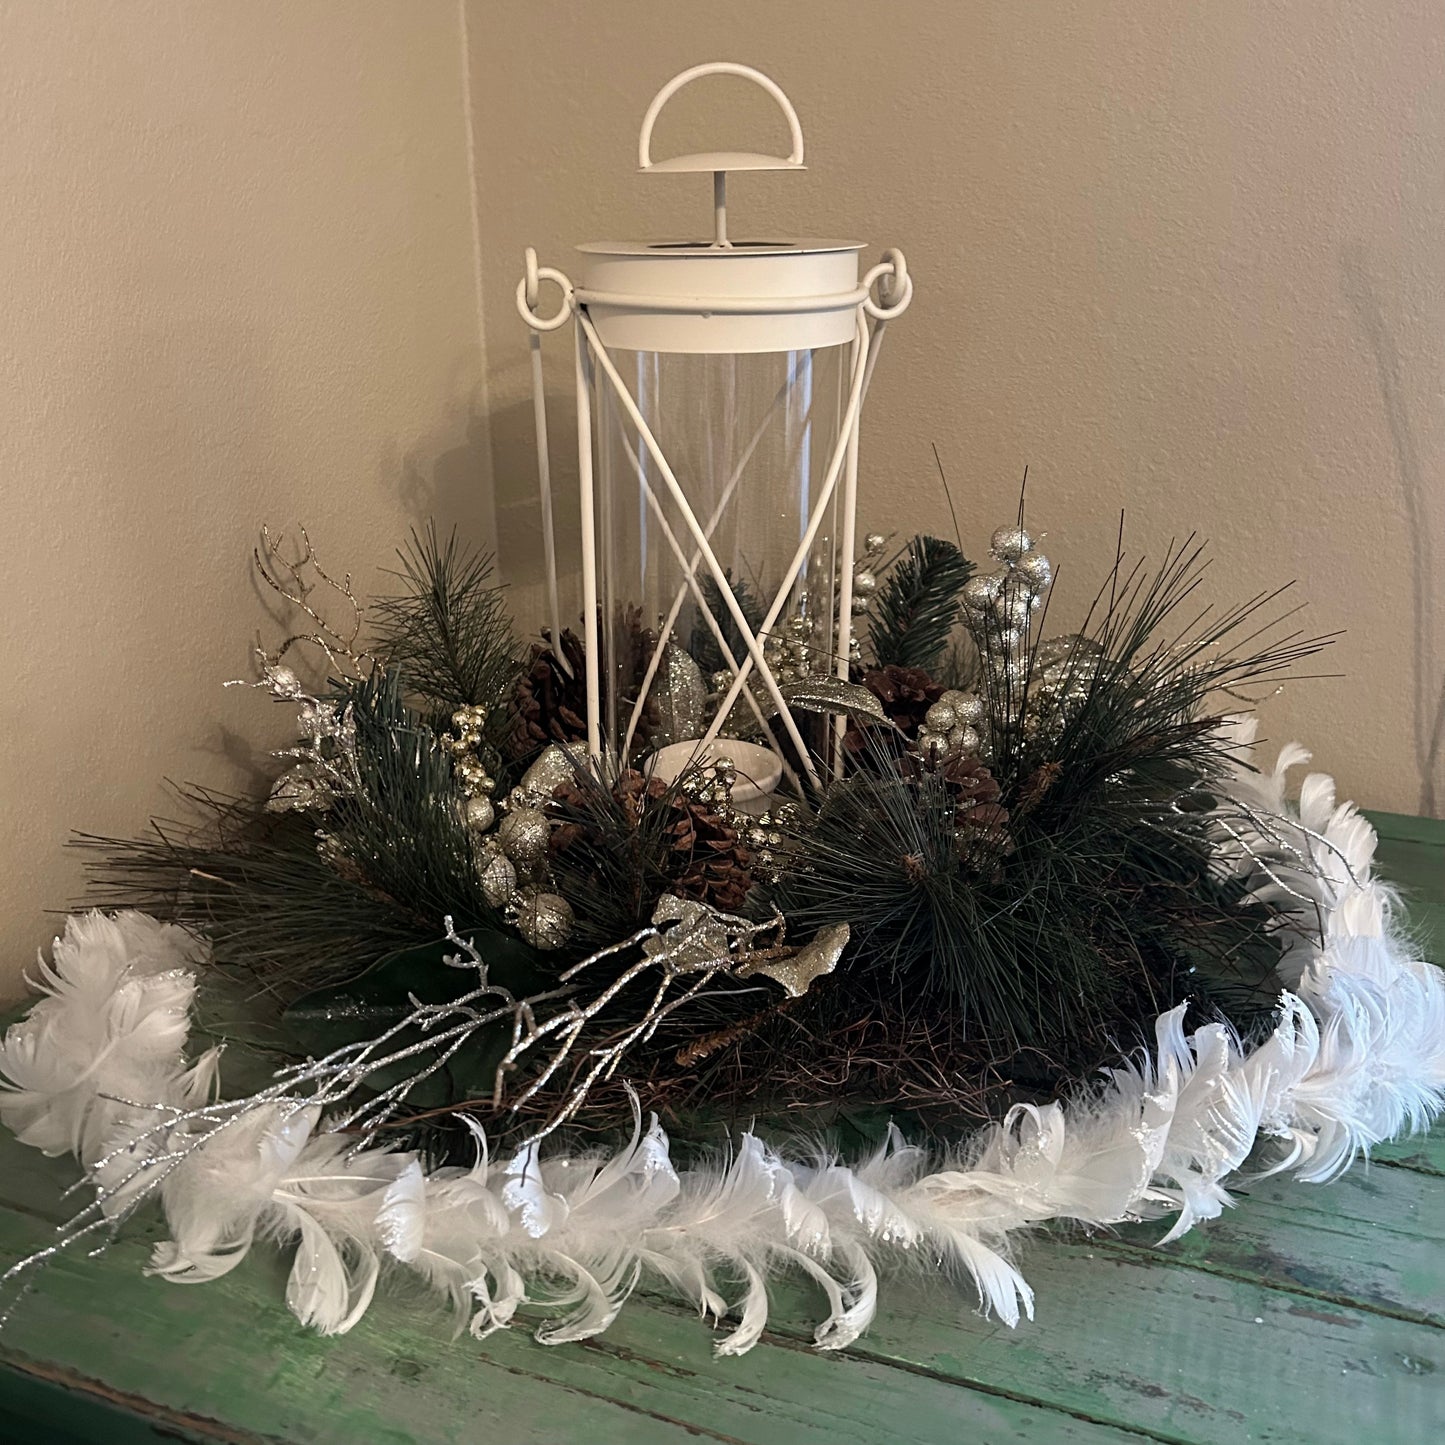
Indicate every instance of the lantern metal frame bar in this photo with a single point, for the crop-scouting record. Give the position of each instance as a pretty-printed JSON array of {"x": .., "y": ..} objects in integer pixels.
[
  {"x": 790, "y": 575},
  {"x": 679, "y": 498},
  {"x": 665, "y": 633}
]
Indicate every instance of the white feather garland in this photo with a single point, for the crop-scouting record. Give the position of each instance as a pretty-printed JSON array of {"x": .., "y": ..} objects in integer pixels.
[{"x": 1357, "y": 1056}]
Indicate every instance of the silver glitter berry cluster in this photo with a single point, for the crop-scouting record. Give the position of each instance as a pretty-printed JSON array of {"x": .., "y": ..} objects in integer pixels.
[{"x": 511, "y": 850}]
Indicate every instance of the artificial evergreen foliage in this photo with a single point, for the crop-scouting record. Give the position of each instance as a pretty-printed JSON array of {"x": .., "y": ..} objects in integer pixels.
[
  {"x": 703, "y": 644},
  {"x": 1101, "y": 908},
  {"x": 1017, "y": 910},
  {"x": 448, "y": 631},
  {"x": 307, "y": 901},
  {"x": 918, "y": 605}
]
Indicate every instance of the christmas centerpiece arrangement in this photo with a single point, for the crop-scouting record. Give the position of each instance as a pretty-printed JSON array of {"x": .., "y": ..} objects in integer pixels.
[{"x": 807, "y": 904}]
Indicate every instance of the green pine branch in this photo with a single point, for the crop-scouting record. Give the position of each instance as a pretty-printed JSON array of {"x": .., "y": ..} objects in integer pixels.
[
  {"x": 448, "y": 631},
  {"x": 919, "y": 604},
  {"x": 704, "y": 645}
]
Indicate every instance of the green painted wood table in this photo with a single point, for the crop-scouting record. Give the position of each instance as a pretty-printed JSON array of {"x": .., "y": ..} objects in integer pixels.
[{"x": 1311, "y": 1314}]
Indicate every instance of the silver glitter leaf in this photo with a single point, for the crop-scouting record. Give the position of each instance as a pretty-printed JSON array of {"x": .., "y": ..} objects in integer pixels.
[
  {"x": 832, "y": 694},
  {"x": 815, "y": 958},
  {"x": 299, "y": 789},
  {"x": 553, "y": 767},
  {"x": 680, "y": 695},
  {"x": 698, "y": 939}
]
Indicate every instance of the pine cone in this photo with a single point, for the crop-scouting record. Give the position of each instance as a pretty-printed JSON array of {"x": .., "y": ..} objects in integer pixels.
[
  {"x": 980, "y": 813},
  {"x": 713, "y": 864},
  {"x": 704, "y": 859},
  {"x": 905, "y": 692},
  {"x": 548, "y": 706},
  {"x": 634, "y": 792}
]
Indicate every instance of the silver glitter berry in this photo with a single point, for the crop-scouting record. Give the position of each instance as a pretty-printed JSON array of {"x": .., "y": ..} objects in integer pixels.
[
  {"x": 968, "y": 708},
  {"x": 1035, "y": 569},
  {"x": 939, "y": 718},
  {"x": 1008, "y": 544},
  {"x": 498, "y": 879},
  {"x": 544, "y": 920},
  {"x": 479, "y": 814},
  {"x": 1013, "y": 608},
  {"x": 865, "y": 583},
  {"x": 524, "y": 833},
  {"x": 933, "y": 747},
  {"x": 874, "y": 543},
  {"x": 965, "y": 740},
  {"x": 979, "y": 593}
]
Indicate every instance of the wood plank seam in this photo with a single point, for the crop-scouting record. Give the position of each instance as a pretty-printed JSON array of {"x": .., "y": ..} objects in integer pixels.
[
  {"x": 799, "y": 1341},
  {"x": 1415, "y": 1166},
  {"x": 193, "y": 1426},
  {"x": 1123, "y": 1250}
]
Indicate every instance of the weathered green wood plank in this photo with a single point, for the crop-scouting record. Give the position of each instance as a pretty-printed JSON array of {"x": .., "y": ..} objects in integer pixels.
[
  {"x": 1374, "y": 1239},
  {"x": 1411, "y": 855},
  {"x": 228, "y": 1352},
  {"x": 1117, "y": 1341},
  {"x": 1424, "y": 1153},
  {"x": 1123, "y": 1341},
  {"x": 1178, "y": 1353}
]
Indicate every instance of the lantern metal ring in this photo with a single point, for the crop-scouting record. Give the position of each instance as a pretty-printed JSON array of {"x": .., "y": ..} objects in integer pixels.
[
  {"x": 895, "y": 290},
  {"x": 528, "y": 289}
]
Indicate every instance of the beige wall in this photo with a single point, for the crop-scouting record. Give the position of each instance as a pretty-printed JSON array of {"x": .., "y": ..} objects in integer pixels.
[
  {"x": 1187, "y": 260},
  {"x": 1180, "y": 259},
  {"x": 237, "y": 285}
]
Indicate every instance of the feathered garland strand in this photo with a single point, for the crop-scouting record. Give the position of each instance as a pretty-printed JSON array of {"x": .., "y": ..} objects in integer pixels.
[{"x": 1357, "y": 1056}]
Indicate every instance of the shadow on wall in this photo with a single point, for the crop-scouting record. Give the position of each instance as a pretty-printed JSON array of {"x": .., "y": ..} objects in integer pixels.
[
  {"x": 448, "y": 486},
  {"x": 519, "y": 511},
  {"x": 1428, "y": 675}
]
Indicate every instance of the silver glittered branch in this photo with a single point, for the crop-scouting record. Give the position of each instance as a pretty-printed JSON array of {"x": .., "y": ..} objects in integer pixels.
[
  {"x": 296, "y": 579},
  {"x": 686, "y": 947},
  {"x": 323, "y": 761}
]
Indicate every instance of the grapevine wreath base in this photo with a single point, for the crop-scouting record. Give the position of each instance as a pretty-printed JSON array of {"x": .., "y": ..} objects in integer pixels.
[{"x": 1357, "y": 1054}]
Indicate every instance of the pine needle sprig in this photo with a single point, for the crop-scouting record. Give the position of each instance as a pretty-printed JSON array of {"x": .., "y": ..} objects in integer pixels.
[
  {"x": 306, "y": 901},
  {"x": 919, "y": 604},
  {"x": 255, "y": 886},
  {"x": 448, "y": 630},
  {"x": 704, "y": 645}
]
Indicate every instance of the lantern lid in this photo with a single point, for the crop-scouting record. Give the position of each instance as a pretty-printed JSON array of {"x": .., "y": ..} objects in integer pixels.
[{"x": 718, "y": 294}]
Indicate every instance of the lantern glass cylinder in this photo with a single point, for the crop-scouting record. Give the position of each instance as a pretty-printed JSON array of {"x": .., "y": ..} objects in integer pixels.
[{"x": 749, "y": 437}]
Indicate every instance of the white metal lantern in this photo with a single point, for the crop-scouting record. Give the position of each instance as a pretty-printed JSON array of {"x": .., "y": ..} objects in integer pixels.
[{"x": 719, "y": 385}]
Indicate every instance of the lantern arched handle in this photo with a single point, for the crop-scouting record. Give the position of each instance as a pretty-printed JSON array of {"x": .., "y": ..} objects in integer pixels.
[{"x": 721, "y": 67}]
